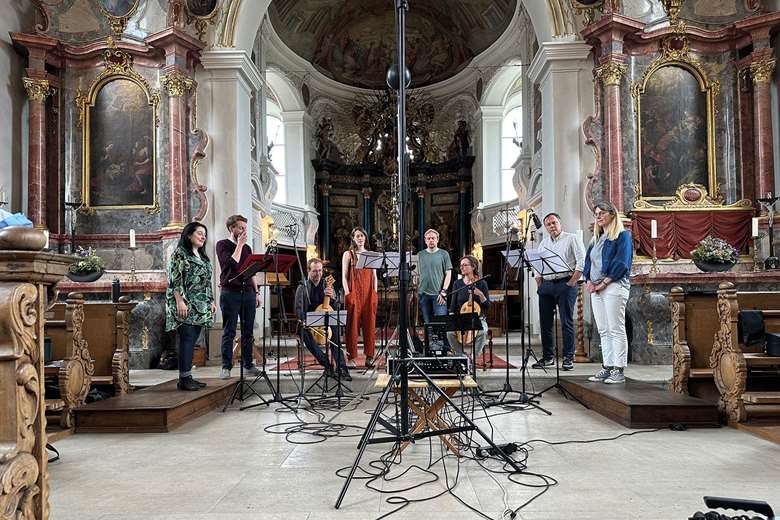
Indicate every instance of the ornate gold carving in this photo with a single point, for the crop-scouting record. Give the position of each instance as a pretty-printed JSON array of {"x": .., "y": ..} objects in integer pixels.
[
  {"x": 37, "y": 89},
  {"x": 672, "y": 8},
  {"x": 145, "y": 338},
  {"x": 650, "y": 335},
  {"x": 694, "y": 196},
  {"x": 201, "y": 23},
  {"x": 119, "y": 23},
  {"x": 611, "y": 73},
  {"x": 726, "y": 359},
  {"x": 762, "y": 69},
  {"x": 176, "y": 83},
  {"x": 77, "y": 370},
  {"x": 674, "y": 52},
  {"x": 118, "y": 64}
]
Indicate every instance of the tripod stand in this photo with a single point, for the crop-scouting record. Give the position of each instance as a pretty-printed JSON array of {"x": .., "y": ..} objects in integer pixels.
[
  {"x": 397, "y": 79},
  {"x": 516, "y": 259}
]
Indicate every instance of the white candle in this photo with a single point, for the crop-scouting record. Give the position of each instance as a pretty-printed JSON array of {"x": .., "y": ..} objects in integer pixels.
[
  {"x": 46, "y": 234},
  {"x": 579, "y": 235},
  {"x": 653, "y": 229},
  {"x": 754, "y": 228},
  {"x": 2, "y": 196},
  {"x": 132, "y": 238}
]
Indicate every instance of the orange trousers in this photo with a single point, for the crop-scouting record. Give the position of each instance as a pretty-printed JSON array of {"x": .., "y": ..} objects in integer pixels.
[{"x": 361, "y": 305}]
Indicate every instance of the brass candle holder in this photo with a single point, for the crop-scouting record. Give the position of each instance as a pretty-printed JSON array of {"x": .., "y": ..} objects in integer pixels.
[
  {"x": 654, "y": 267},
  {"x": 133, "y": 277},
  {"x": 756, "y": 262}
]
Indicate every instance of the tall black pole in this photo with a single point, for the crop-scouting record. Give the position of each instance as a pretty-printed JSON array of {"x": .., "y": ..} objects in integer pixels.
[{"x": 403, "y": 189}]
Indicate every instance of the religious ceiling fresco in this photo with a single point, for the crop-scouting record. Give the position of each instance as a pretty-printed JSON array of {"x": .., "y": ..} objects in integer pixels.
[{"x": 354, "y": 42}]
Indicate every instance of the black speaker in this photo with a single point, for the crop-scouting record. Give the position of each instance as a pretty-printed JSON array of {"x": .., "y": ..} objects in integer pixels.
[{"x": 772, "y": 344}]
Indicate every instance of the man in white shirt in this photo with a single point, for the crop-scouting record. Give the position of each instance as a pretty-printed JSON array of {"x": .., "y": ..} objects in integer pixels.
[{"x": 559, "y": 290}]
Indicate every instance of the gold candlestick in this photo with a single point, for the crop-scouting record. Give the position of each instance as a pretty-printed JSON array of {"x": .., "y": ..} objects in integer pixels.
[
  {"x": 654, "y": 268},
  {"x": 756, "y": 262},
  {"x": 133, "y": 277}
]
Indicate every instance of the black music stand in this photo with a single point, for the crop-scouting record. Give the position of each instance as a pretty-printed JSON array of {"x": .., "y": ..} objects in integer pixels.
[
  {"x": 276, "y": 264},
  {"x": 335, "y": 320},
  {"x": 251, "y": 266}
]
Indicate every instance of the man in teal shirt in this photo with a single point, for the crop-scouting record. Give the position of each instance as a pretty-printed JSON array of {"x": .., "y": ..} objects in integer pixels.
[{"x": 434, "y": 269}]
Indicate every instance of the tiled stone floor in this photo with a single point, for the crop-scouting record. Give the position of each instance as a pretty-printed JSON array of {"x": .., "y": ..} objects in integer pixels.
[{"x": 226, "y": 467}]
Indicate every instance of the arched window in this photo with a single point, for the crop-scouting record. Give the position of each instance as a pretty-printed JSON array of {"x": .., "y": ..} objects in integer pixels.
[
  {"x": 511, "y": 146},
  {"x": 274, "y": 127}
]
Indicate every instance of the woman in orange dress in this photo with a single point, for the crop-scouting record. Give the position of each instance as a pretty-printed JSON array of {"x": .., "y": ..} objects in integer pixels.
[{"x": 360, "y": 298}]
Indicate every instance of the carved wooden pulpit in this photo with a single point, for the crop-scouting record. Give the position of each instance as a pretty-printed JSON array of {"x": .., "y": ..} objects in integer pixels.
[{"x": 26, "y": 277}]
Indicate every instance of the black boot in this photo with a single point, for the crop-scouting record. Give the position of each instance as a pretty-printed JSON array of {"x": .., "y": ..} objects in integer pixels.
[
  {"x": 345, "y": 374},
  {"x": 188, "y": 384},
  {"x": 200, "y": 384}
]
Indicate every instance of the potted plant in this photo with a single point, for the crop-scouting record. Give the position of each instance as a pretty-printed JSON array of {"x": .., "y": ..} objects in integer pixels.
[
  {"x": 714, "y": 255},
  {"x": 88, "y": 267}
]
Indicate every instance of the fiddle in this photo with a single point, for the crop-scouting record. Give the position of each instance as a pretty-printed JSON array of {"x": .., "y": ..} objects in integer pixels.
[
  {"x": 319, "y": 334},
  {"x": 469, "y": 307}
]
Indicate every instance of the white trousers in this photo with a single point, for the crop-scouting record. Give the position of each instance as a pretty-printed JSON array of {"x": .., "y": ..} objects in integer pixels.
[{"x": 609, "y": 312}]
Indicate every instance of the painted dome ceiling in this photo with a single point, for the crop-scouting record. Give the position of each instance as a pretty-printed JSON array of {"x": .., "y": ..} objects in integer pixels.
[{"x": 353, "y": 41}]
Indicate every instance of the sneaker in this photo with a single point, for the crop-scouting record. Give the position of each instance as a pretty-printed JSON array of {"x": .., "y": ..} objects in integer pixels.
[
  {"x": 615, "y": 377},
  {"x": 202, "y": 385},
  {"x": 224, "y": 373},
  {"x": 544, "y": 362},
  {"x": 252, "y": 371},
  {"x": 568, "y": 364},
  {"x": 369, "y": 362},
  {"x": 600, "y": 376},
  {"x": 188, "y": 384}
]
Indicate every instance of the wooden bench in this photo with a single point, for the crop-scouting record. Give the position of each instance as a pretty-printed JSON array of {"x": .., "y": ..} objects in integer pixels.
[
  {"x": 106, "y": 329},
  {"x": 747, "y": 379},
  {"x": 74, "y": 374},
  {"x": 694, "y": 319}
]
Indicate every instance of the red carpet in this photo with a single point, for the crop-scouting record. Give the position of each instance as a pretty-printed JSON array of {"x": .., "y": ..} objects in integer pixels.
[{"x": 311, "y": 363}]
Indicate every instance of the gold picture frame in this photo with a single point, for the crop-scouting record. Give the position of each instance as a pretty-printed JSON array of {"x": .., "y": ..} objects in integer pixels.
[
  {"x": 117, "y": 21},
  {"x": 676, "y": 60},
  {"x": 119, "y": 68}
]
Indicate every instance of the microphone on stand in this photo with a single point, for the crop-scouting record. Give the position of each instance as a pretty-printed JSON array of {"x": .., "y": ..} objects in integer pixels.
[{"x": 537, "y": 221}]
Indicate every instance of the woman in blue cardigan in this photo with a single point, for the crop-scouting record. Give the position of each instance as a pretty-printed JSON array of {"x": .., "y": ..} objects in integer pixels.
[{"x": 607, "y": 267}]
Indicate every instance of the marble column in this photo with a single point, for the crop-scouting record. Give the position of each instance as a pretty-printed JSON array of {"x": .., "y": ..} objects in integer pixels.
[
  {"x": 297, "y": 152},
  {"x": 761, "y": 68},
  {"x": 611, "y": 73},
  {"x": 325, "y": 221},
  {"x": 559, "y": 68},
  {"x": 37, "y": 91},
  {"x": 176, "y": 84},
  {"x": 367, "y": 206},
  {"x": 224, "y": 94},
  {"x": 463, "y": 217}
]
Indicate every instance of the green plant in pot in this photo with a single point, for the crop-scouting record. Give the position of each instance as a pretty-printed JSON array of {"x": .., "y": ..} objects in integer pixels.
[
  {"x": 88, "y": 266},
  {"x": 714, "y": 255}
]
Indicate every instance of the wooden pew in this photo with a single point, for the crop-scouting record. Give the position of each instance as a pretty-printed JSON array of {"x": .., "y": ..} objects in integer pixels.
[
  {"x": 76, "y": 368},
  {"x": 106, "y": 328},
  {"x": 694, "y": 318},
  {"x": 748, "y": 380}
]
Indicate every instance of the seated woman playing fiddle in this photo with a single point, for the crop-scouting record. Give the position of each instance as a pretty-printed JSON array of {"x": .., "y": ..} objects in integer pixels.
[{"x": 469, "y": 294}]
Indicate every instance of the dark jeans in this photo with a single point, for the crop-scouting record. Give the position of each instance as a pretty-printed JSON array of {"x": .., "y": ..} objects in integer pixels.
[
  {"x": 430, "y": 307},
  {"x": 230, "y": 304},
  {"x": 552, "y": 294},
  {"x": 188, "y": 335},
  {"x": 322, "y": 358}
]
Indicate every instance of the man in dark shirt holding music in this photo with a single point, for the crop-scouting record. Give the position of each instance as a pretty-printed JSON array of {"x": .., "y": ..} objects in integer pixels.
[
  {"x": 238, "y": 298},
  {"x": 310, "y": 295}
]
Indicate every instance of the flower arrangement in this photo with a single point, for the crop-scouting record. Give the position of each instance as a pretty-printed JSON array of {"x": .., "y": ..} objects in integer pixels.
[
  {"x": 88, "y": 261},
  {"x": 715, "y": 250}
]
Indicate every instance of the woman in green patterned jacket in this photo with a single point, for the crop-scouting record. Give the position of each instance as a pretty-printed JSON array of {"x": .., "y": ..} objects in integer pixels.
[{"x": 190, "y": 297}]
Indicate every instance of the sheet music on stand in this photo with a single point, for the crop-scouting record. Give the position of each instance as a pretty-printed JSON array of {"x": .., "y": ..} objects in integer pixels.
[
  {"x": 335, "y": 318},
  {"x": 373, "y": 260},
  {"x": 545, "y": 262}
]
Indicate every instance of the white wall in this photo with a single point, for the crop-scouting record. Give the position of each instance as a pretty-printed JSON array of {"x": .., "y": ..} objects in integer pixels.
[{"x": 14, "y": 17}]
